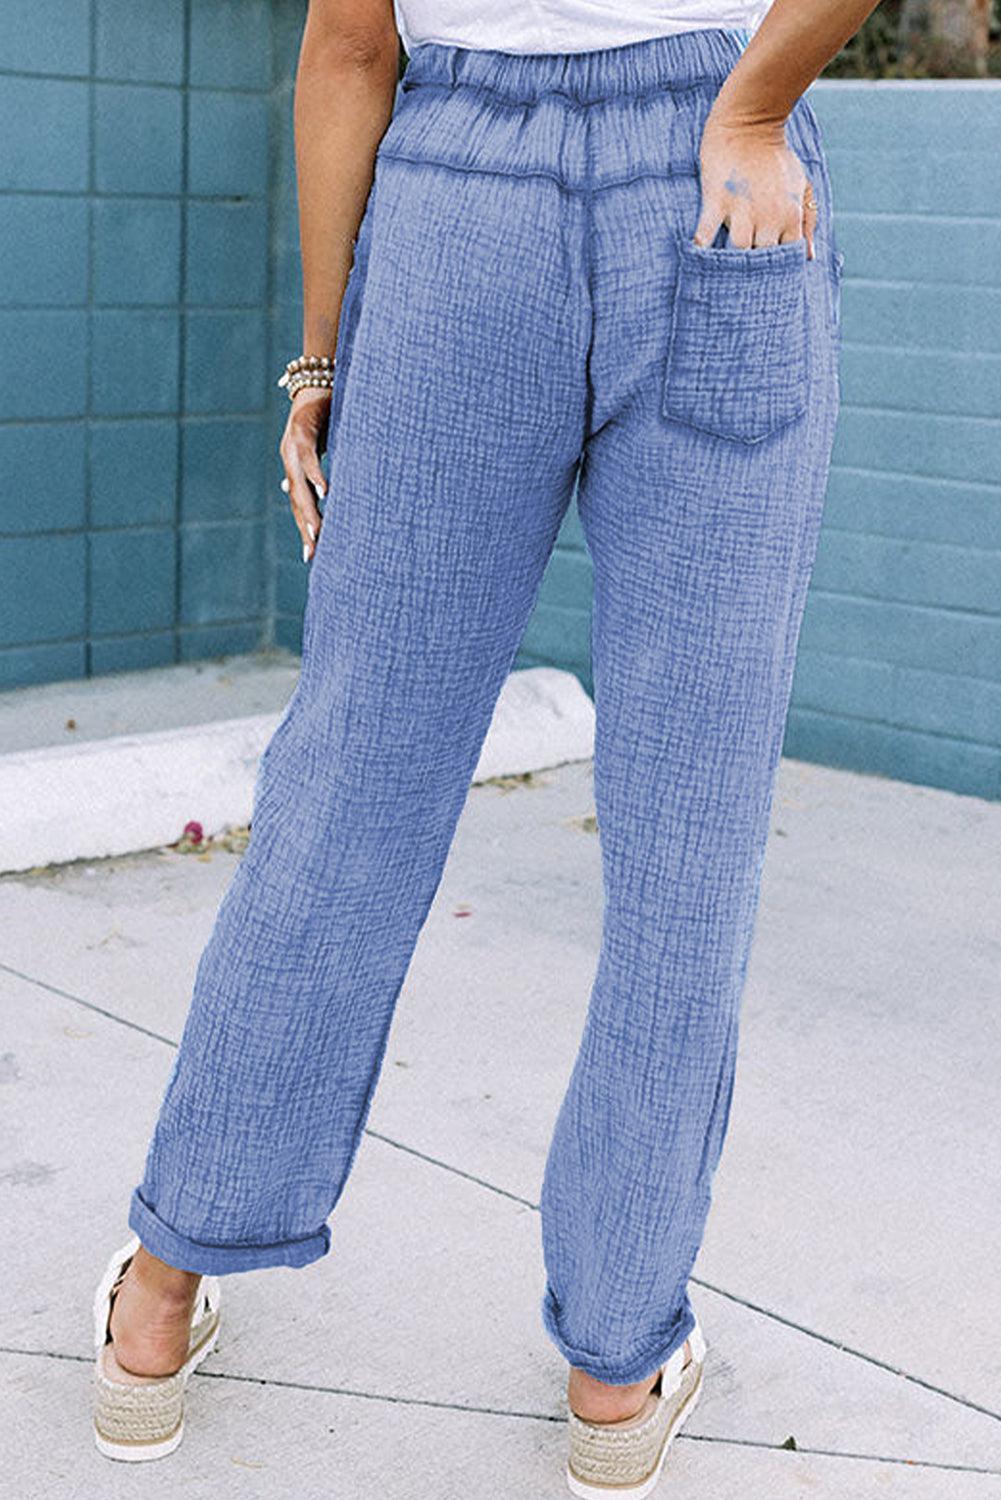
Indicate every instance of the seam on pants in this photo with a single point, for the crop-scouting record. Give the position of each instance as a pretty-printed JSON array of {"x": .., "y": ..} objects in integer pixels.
[
  {"x": 588, "y": 257},
  {"x": 573, "y": 101},
  {"x": 602, "y": 187}
]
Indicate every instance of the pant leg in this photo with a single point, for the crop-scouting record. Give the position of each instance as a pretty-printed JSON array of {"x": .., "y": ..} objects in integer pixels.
[
  {"x": 702, "y": 547},
  {"x": 458, "y": 424}
]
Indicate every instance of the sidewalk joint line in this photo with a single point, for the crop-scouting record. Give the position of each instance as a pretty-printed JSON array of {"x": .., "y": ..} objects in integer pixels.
[
  {"x": 445, "y": 1166},
  {"x": 709, "y": 1286},
  {"x": 98, "y": 1010},
  {"x": 865, "y": 1458},
  {"x": 555, "y": 1418},
  {"x": 822, "y": 1338},
  {"x": 832, "y": 1343}
]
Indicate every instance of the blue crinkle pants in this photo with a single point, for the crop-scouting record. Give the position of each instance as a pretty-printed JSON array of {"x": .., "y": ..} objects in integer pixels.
[{"x": 526, "y": 312}]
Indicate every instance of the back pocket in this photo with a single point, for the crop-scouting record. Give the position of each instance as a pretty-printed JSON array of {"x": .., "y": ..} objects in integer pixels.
[{"x": 737, "y": 362}]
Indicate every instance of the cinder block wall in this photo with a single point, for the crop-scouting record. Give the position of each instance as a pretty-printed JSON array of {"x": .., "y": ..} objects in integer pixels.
[
  {"x": 149, "y": 291},
  {"x": 134, "y": 282},
  {"x": 899, "y": 669},
  {"x": 288, "y": 572}
]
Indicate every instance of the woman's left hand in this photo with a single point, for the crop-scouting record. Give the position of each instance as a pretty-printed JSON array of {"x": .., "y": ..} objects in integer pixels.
[{"x": 754, "y": 184}]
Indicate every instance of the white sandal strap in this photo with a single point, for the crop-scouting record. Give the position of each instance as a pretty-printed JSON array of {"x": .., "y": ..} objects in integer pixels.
[
  {"x": 207, "y": 1301},
  {"x": 671, "y": 1377},
  {"x": 102, "y": 1297}
]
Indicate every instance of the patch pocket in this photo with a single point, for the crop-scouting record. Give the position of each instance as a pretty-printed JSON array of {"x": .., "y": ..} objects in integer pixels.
[{"x": 737, "y": 362}]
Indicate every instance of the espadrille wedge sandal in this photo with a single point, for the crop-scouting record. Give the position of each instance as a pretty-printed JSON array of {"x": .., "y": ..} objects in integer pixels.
[
  {"x": 626, "y": 1458},
  {"x": 137, "y": 1422}
]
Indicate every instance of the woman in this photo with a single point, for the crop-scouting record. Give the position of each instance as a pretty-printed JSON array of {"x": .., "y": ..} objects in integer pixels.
[{"x": 577, "y": 243}]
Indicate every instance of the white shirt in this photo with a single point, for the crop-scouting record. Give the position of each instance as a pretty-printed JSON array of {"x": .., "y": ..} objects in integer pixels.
[{"x": 565, "y": 25}]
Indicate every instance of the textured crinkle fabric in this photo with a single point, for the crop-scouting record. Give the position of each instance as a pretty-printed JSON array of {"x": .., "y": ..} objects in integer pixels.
[
  {"x": 525, "y": 313},
  {"x": 744, "y": 311}
]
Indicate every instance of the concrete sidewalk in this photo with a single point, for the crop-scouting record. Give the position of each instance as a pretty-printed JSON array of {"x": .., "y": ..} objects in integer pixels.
[{"x": 849, "y": 1281}]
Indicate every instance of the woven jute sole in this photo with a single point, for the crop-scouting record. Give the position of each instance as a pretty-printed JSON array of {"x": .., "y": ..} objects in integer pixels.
[
  {"x": 137, "y": 1422},
  {"x": 637, "y": 1489}
]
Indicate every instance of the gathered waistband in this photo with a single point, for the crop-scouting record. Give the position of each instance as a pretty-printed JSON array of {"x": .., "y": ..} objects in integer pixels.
[
  {"x": 587, "y": 120},
  {"x": 679, "y": 61}
]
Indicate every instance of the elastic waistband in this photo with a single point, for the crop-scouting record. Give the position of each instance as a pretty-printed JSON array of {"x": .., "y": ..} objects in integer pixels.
[{"x": 662, "y": 63}]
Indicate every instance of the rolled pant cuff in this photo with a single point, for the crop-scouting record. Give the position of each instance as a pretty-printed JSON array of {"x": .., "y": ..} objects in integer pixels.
[
  {"x": 217, "y": 1260},
  {"x": 618, "y": 1370}
]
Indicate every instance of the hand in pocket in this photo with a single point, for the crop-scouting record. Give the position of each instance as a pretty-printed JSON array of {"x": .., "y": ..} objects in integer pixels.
[{"x": 754, "y": 184}]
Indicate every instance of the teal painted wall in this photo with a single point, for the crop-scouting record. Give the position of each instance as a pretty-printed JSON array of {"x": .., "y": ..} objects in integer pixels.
[
  {"x": 899, "y": 668},
  {"x": 149, "y": 292},
  {"x": 134, "y": 284}
]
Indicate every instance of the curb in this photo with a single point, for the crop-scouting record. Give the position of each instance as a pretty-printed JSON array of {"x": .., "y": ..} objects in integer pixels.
[{"x": 136, "y": 791}]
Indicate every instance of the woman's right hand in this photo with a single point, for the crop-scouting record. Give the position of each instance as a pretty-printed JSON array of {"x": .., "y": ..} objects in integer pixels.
[{"x": 300, "y": 455}]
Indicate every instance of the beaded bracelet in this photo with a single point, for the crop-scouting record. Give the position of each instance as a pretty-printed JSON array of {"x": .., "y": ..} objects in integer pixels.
[{"x": 308, "y": 370}]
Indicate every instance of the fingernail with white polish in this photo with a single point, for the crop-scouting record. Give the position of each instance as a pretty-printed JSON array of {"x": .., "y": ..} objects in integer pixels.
[
  {"x": 305, "y": 552},
  {"x": 312, "y": 533}
]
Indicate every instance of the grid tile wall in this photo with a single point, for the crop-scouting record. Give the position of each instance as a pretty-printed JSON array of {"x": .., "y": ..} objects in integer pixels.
[
  {"x": 899, "y": 668},
  {"x": 289, "y": 573},
  {"x": 134, "y": 414}
]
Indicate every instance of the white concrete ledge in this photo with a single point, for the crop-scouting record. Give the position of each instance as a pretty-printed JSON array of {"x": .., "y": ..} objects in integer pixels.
[
  {"x": 124, "y": 792},
  {"x": 543, "y": 718}
]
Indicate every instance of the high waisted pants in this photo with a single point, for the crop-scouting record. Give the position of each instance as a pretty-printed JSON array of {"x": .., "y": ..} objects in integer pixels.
[{"x": 526, "y": 311}]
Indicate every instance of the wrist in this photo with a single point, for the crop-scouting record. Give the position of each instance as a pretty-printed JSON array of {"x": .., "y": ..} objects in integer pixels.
[
  {"x": 726, "y": 123},
  {"x": 307, "y": 395},
  {"x": 735, "y": 114},
  {"x": 308, "y": 371}
]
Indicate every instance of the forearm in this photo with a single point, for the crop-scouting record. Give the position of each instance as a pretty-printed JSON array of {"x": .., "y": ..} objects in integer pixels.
[
  {"x": 344, "y": 93},
  {"x": 791, "y": 47}
]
